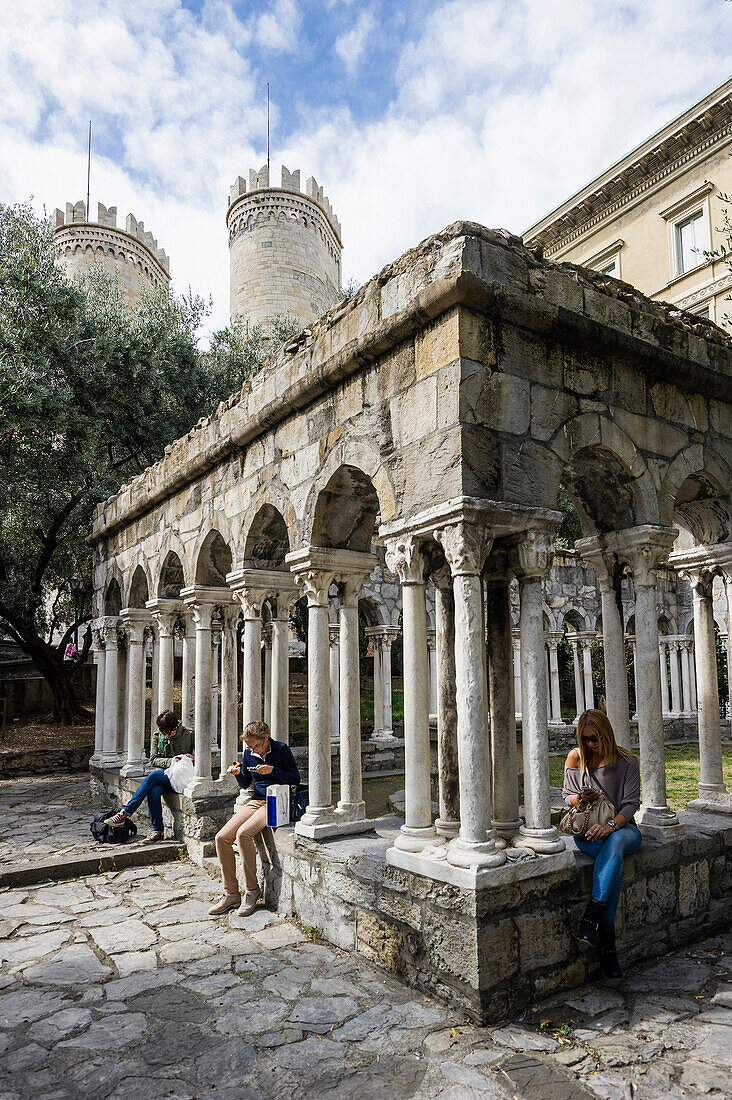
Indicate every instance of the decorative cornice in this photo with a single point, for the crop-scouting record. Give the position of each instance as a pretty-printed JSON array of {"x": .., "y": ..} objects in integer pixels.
[
  {"x": 95, "y": 235},
  {"x": 631, "y": 180},
  {"x": 709, "y": 290}
]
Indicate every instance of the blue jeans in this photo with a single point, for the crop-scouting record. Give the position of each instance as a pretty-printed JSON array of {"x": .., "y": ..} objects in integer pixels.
[
  {"x": 607, "y": 876},
  {"x": 152, "y": 788}
]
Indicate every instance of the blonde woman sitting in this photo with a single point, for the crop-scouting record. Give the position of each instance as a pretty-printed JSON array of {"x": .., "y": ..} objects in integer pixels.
[{"x": 600, "y": 766}]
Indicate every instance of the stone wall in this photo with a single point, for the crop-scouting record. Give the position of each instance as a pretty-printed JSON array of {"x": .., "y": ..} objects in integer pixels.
[
  {"x": 494, "y": 952},
  {"x": 17, "y": 762},
  {"x": 27, "y": 693}
]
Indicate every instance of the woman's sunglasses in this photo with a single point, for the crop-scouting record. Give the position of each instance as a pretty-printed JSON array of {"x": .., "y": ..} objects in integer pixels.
[{"x": 591, "y": 739}]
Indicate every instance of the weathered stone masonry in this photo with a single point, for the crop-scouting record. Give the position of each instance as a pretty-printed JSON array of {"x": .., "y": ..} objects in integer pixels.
[{"x": 446, "y": 402}]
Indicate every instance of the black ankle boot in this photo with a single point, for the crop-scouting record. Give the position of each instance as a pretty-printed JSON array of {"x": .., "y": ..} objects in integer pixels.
[
  {"x": 590, "y": 923},
  {"x": 608, "y": 956}
]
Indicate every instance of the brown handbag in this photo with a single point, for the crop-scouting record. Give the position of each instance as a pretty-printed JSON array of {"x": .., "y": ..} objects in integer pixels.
[{"x": 578, "y": 820}]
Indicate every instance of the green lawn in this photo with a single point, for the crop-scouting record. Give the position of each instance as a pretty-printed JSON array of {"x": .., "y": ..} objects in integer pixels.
[{"x": 682, "y": 772}]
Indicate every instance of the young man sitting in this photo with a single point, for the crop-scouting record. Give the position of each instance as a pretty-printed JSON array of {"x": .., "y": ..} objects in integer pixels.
[
  {"x": 173, "y": 740},
  {"x": 264, "y": 761}
]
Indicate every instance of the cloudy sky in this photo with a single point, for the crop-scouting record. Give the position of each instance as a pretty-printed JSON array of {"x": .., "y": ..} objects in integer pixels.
[{"x": 411, "y": 113}]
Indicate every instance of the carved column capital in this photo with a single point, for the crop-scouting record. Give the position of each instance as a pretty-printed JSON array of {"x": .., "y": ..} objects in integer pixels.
[
  {"x": 644, "y": 549},
  {"x": 314, "y": 585},
  {"x": 466, "y": 546},
  {"x": 251, "y": 600},
  {"x": 334, "y": 634},
  {"x": 110, "y": 633},
  {"x": 533, "y": 554},
  {"x": 405, "y": 558}
]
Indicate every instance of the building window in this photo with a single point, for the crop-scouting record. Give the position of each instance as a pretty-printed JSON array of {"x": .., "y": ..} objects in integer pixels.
[
  {"x": 691, "y": 242},
  {"x": 607, "y": 260},
  {"x": 611, "y": 269},
  {"x": 702, "y": 311}
]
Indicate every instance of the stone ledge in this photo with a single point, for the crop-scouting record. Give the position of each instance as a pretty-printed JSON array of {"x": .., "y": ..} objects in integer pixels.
[
  {"x": 17, "y": 763},
  {"x": 113, "y": 857}
]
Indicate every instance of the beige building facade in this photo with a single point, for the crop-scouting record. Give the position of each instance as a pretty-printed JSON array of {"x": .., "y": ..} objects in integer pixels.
[
  {"x": 652, "y": 218},
  {"x": 132, "y": 253}
]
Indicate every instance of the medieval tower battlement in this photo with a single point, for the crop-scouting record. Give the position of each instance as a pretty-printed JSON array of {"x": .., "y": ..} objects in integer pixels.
[
  {"x": 285, "y": 248},
  {"x": 132, "y": 253}
]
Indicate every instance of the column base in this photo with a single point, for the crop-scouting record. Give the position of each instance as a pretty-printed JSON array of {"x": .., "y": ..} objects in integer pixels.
[
  {"x": 477, "y": 854},
  {"x": 133, "y": 769},
  {"x": 227, "y": 782},
  {"x": 432, "y": 864},
  {"x": 201, "y": 787},
  {"x": 445, "y": 827},
  {"x": 383, "y": 735},
  {"x": 712, "y": 801},
  {"x": 658, "y": 822},
  {"x": 414, "y": 838},
  {"x": 350, "y": 811},
  {"x": 113, "y": 760},
  {"x": 542, "y": 841},
  {"x": 505, "y": 830},
  {"x": 336, "y": 827},
  {"x": 97, "y": 760}
]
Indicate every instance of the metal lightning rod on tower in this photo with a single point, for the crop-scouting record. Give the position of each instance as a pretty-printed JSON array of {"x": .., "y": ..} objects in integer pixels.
[
  {"x": 88, "y": 174},
  {"x": 268, "y": 130}
]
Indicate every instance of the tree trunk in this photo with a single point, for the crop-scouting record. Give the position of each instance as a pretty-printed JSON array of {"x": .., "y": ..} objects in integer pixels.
[{"x": 66, "y": 707}]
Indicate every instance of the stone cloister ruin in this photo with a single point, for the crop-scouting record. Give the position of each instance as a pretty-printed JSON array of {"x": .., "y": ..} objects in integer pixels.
[{"x": 437, "y": 413}]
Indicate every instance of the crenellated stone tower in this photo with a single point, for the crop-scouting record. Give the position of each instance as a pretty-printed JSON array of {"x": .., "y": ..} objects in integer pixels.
[
  {"x": 132, "y": 253},
  {"x": 285, "y": 248}
]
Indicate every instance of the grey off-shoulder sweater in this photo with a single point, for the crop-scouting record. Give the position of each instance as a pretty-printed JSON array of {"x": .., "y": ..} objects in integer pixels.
[{"x": 620, "y": 782}]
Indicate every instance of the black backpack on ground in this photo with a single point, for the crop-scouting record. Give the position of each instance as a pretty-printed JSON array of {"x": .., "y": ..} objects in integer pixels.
[
  {"x": 111, "y": 834},
  {"x": 298, "y": 801}
]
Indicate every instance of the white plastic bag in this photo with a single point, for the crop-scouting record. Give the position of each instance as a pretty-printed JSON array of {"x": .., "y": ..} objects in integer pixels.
[
  {"x": 278, "y": 805},
  {"x": 180, "y": 773}
]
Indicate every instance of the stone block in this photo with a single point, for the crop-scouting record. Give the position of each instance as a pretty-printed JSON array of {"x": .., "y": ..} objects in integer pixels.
[
  {"x": 543, "y": 939},
  {"x": 498, "y": 952},
  {"x": 438, "y": 344},
  {"x": 378, "y": 941},
  {"x": 693, "y": 888},
  {"x": 499, "y": 401},
  {"x": 649, "y": 900}
]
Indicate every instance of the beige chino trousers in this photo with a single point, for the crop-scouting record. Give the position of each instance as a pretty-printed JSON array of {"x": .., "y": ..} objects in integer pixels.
[{"x": 241, "y": 830}]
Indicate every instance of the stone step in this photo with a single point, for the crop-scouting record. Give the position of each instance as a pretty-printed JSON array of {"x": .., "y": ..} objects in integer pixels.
[{"x": 112, "y": 857}]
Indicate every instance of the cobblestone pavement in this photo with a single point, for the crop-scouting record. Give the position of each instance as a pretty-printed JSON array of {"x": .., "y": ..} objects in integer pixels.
[
  {"x": 119, "y": 985},
  {"x": 42, "y": 817}
]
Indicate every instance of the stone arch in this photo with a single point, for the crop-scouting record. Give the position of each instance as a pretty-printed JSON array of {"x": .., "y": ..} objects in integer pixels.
[
  {"x": 371, "y": 611},
  {"x": 267, "y": 539},
  {"x": 113, "y": 593},
  {"x": 346, "y": 510},
  {"x": 139, "y": 590},
  {"x": 350, "y": 465},
  {"x": 605, "y": 474},
  {"x": 574, "y": 622},
  {"x": 549, "y": 616},
  {"x": 213, "y": 560},
  {"x": 695, "y": 496},
  {"x": 275, "y": 497},
  {"x": 172, "y": 576}
]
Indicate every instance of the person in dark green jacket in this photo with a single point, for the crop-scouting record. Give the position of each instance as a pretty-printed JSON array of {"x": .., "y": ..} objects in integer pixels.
[{"x": 173, "y": 739}]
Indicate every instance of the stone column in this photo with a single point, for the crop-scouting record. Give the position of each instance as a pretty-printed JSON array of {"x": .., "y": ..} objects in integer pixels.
[
  {"x": 99, "y": 659},
  {"x": 202, "y": 601},
  {"x": 665, "y": 703},
  {"x": 728, "y": 591},
  {"x": 685, "y": 652},
  {"x": 267, "y": 639},
  {"x": 676, "y": 706},
  {"x": 579, "y": 691},
  {"x": 404, "y": 557},
  {"x": 281, "y": 677},
  {"x": 251, "y": 600},
  {"x": 506, "y": 821},
  {"x": 229, "y": 738},
  {"x": 314, "y": 578},
  {"x": 109, "y": 632},
  {"x": 165, "y": 613},
  {"x": 351, "y": 806},
  {"x": 644, "y": 548},
  {"x": 548, "y": 692},
  {"x": 188, "y": 691},
  {"x": 555, "y": 638},
  {"x": 711, "y": 781},
  {"x": 134, "y": 624},
  {"x": 432, "y": 656},
  {"x": 374, "y": 633},
  {"x": 533, "y": 560},
  {"x": 387, "y": 640},
  {"x": 466, "y": 547},
  {"x": 634, "y": 648},
  {"x": 692, "y": 679},
  {"x": 334, "y": 631},
  {"x": 215, "y": 658},
  {"x": 516, "y": 635},
  {"x": 448, "y": 822},
  {"x": 155, "y": 674},
  {"x": 589, "y": 691}
]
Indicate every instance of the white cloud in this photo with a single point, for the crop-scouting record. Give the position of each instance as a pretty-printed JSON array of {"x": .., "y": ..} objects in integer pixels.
[
  {"x": 350, "y": 46},
  {"x": 504, "y": 108}
]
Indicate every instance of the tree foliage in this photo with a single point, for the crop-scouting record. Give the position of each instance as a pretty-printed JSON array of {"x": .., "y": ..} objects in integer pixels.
[
  {"x": 570, "y": 528},
  {"x": 91, "y": 392}
]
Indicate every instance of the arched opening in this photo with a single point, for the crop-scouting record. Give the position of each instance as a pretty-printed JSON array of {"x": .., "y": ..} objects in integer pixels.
[
  {"x": 702, "y": 512},
  {"x": 346, "y": 511},
  {"x": 171, "y": 577},
  {"x": 113, "y": 598},
  {"x": 602, "y": 491},
  {"x": 139, "y": 594},
  {"x": 267, "y": 542},
  {"x": 214, "y": 561}
]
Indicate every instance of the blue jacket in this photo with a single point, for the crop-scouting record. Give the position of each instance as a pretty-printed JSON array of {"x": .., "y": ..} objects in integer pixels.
[{"x": 284, "y": 768}]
